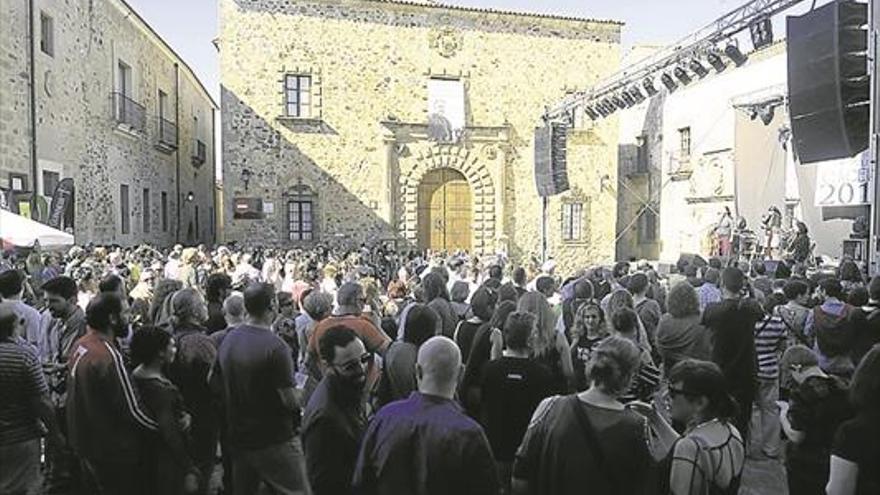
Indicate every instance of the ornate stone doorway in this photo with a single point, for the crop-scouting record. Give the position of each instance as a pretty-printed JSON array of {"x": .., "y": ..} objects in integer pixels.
[{"x": 445, "y": 211}]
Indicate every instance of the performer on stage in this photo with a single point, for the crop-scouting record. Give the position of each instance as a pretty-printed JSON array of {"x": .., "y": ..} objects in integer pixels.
[
  {"x": 799, "y": 249},
  {"x": 723, "y": 231},
  {"x": 772, "y": 222}
]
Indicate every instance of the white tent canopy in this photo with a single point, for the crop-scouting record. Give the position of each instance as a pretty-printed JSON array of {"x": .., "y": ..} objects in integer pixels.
[{"x": 24, "y": 232}]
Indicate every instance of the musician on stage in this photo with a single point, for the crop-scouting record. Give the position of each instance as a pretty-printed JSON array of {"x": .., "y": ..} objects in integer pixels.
[
  {"x": 799, "y": 249},
  {"x": 772, "y": 222},
  {"x": 723, "y": 231}
]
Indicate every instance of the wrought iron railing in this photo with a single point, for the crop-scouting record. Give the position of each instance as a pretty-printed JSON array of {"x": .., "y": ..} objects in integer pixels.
[
  {"x": 129, "y": 112},
  {"x": 167, "y": 132},
  {"x": 199, "y": 153}
]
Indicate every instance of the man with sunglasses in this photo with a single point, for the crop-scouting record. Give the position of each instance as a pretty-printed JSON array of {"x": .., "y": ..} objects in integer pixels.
[{"x": 335, "y": 417}]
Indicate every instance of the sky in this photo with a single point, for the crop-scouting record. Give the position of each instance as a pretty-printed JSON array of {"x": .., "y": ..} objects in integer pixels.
[{"x": 189, "y": 26}]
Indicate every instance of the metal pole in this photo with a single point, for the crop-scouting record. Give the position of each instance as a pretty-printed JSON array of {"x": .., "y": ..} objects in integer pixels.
[
  {"x": 545, "y": 204},
  {"x": 874, "y": 127}
]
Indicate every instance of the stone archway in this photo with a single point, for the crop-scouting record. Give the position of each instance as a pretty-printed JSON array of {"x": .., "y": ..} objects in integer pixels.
[{"x": 461, "y": 160}]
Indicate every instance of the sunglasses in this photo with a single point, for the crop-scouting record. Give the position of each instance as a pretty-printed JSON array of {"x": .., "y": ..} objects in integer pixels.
[{"x": 356, "y": 364}]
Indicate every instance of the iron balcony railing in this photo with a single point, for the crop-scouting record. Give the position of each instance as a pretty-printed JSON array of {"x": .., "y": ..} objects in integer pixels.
[
  {"x": 129, "y": 112},
  {"x": 199, "y": 153},
  {"x": 167, "y": 133}
]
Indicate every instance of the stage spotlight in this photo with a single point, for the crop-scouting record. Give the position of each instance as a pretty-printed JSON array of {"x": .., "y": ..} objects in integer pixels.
[
  {"x": 600, "y": 107},
  {"x": 732, "y": 51},
  {"x": 766, "y": 113},
  {"x": 668, "y": 82},
  {"x": 698, "y": 69},
  {"x": 591, "y": 113},
  {"x": 648, "y": 84},
  {"x": 628, "y": 99},
  {"x": 716, "y": 62},
  {"x": 682, "y": 75},
  {"x": 618, "y": 102},
  {"x": 636, "y": 94},
  {"x": 609, "y": 105}
]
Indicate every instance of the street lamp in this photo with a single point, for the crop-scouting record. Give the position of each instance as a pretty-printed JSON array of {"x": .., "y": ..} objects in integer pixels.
[{"x": 190, "y": 196}]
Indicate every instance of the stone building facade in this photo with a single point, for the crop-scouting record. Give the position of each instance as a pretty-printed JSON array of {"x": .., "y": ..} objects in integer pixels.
[
  {"x": 367, "y": 120},
  {"x": 117, "y": 111}
]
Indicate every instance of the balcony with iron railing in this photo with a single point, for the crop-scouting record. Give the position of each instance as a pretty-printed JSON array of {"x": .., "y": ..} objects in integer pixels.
[
  {"x": 199, "y": 154},
  {"x": 167, "y": 135},
  {"x": 129, "y": 113},
  {"x": 681, "y": 165}
]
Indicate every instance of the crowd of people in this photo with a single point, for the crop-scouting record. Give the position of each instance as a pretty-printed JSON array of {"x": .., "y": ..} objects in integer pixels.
[{"x": 244, "y": 371}]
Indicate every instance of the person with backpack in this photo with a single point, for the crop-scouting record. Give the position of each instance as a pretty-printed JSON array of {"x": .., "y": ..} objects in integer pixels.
[
  {"x": 590, "y": 440},
  {"x": 832, "y": 323},
  {"x": 867, "y": 331}
]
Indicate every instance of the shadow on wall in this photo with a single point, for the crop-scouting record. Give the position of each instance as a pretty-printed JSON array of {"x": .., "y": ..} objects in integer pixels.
[{"x": 280, "y": 172}]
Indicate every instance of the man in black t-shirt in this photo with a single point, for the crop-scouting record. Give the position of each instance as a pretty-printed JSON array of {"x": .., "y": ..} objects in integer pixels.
[
  {"x": 512, "y": 387},
  {"x": 254, "y": 370},
  {"x": 732, "y": 323}
]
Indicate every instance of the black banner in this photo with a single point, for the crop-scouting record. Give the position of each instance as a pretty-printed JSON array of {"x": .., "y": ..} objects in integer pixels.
[{"x": 62, "y": 198}]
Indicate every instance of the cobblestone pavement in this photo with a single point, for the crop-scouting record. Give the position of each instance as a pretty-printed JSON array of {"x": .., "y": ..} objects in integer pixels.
[{"x": 763, "y": 476}]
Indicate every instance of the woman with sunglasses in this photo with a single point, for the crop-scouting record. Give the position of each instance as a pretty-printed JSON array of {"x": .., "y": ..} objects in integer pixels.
[{"x": 709, "y": 457}]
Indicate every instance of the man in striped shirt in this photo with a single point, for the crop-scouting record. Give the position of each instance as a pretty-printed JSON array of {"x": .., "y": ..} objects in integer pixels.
[
  {"x": 24, "y": 402},
  {"x": 770, "y": 337},
  {"x": 103, "y": 415}
]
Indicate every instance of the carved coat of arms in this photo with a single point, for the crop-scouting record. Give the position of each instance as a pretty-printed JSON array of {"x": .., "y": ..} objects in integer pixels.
[{"x": 446, "y": 41}]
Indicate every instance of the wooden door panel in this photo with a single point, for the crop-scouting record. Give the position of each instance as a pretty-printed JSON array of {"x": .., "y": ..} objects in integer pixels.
[{"x": 444, "y": 211}]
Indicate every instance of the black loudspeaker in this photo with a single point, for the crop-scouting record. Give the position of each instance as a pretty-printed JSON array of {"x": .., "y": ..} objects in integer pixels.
[
  {"x": 828, "y": 82},
  {"x": 551, "y": 176}
]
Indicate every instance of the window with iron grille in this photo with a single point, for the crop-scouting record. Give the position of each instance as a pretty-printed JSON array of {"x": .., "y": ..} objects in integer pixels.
[
  {"x": 684, "y": 142},
  {"x": 47, "y": 34},
  {"x": 300, "y": 219},
  {"x": 572, "y": 221},
  {"x": 297, "y": 95}
]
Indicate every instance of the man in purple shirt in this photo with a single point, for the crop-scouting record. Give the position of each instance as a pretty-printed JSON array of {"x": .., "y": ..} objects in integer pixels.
[{"x": 425, "y": 444}]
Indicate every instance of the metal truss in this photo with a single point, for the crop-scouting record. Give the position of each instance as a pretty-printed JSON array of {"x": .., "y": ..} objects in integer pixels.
[{"x": 695, "y": 45}]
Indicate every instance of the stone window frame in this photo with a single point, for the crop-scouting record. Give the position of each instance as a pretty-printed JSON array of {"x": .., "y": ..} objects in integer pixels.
[
  {"x": 47, "y": 34},
  {"x": 585, "y": 215},
  {"x": 301, "y": 194},
  {"x": 124, "y": 209},
  {"x": 572, "y": 216},
  {"x": 146, "y": 206},
  {"x": 316, "y": 94}
]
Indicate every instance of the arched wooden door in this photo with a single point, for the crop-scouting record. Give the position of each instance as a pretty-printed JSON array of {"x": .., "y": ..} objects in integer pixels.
[{"x": 445, "y": 211}]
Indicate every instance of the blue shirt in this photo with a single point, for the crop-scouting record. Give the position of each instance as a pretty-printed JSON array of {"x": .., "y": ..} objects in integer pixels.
[{"x": 425, "y": 445}]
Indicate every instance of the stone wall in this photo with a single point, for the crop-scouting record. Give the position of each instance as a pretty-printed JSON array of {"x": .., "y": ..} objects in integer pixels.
[
  {"x": 363, "y": 155},
  {"x": 77, "y": 133}
]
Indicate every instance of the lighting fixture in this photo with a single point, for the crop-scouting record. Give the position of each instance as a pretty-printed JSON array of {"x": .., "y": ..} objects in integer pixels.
[
  {"x": 682, "y": 75},
  {"x": 732, "y": 51}
]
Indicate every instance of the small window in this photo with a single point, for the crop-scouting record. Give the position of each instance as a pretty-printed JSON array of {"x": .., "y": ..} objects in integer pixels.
[
  {"x": 198, "y": 232},
  {"x": 47, "y": 34},
  {"x": 211, "y": 220},
  {"x": 196, "y": 132},
  {"x": 164, "y": 207},
  {"x": 50, "y": 182},
  {"x": 124, "y": 209},
  {"x": 18, "y": 182},
  {"x": 146, "y": 218},
  {"x": 297, "y": 95},
  {"x": 299, "y": 220},
  {"x": 684, "y": 140},
  {"x": 648, "y": 226},
  {"x": 163, "y": 105},
  {"x": 572, "y": 221},
  {"x": 123, "y": 79}
]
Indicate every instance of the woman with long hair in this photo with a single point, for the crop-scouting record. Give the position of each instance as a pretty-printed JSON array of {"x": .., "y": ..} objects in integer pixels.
[
  {"x": 548, "y": 346},
  {"x": 437, "y": 297},
  {"x": 622, "y": 299},
  {"x": 855, "y": 454},
  {"x": 588, "y": 330},
  {"x": 710, "y": 456},
  {"x": 167, "y": 464}
]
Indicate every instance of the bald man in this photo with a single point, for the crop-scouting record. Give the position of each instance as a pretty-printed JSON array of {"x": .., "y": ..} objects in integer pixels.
[{"x": 425, "y": 444}]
